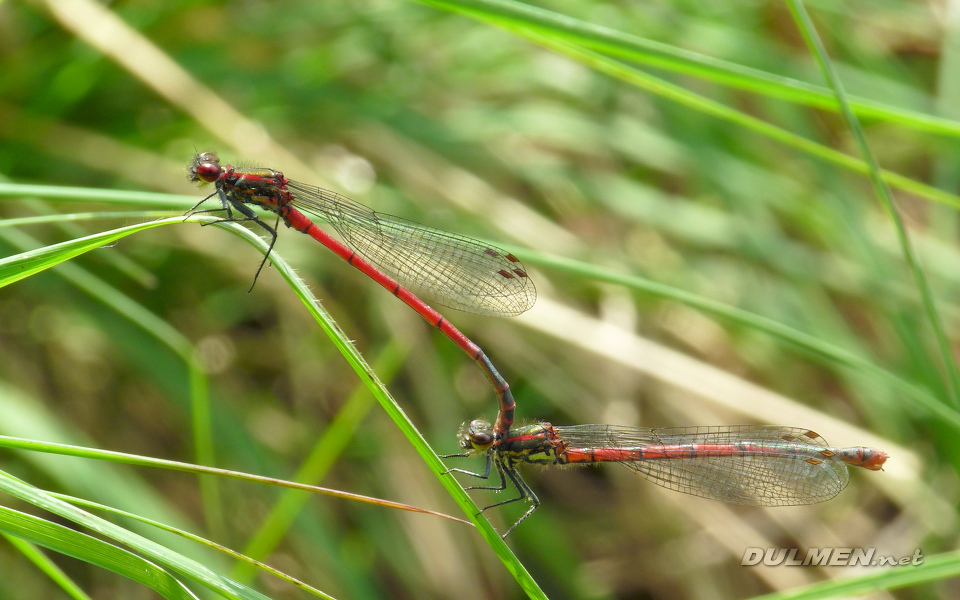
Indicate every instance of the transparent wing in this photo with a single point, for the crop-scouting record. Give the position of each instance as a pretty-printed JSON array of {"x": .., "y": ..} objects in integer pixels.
[
  {"x": 452, "y": 270},
  {"x": 743, "y": 464}
]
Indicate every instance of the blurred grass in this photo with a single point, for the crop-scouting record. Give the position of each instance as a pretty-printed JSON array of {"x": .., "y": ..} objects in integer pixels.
[{"x": 675, "y": 176}]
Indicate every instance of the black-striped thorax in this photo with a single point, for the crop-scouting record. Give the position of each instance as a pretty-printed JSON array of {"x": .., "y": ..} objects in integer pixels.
[
  {"x": 538, "y": 443},
  {"x": 263, "y": 187}
]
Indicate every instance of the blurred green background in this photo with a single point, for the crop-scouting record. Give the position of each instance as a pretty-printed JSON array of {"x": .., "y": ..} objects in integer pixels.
[{"x": 461, "y": 125}]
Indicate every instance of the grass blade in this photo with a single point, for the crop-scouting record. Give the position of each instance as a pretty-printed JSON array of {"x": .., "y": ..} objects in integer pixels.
[
  {"x": 562, "y": 28},
  {"x": 883, "y": 192}
]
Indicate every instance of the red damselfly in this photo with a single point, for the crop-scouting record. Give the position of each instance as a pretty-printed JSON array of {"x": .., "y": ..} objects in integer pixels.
[
  {"x": 452, "y": 270},
  {"x": 741, "y": 464}
]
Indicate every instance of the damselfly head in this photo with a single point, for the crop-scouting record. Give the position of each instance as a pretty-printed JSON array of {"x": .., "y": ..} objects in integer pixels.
[
  {"x": 476, "y": 436},
  {"x": 204, "y": 168}
]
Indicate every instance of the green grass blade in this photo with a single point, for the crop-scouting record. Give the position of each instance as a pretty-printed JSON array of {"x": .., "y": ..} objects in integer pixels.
[
  {"x": 199, "y": 387},
  {"x": 934, "y": 568},
  {"x": 883, "y": 192},
  {"x": 195, "y": 538},
  {"x": 43, "y": 562},
  {"x": 160, "y": 554},
  {"x": 810, "y": 345},
  {"x": 321, "y": 459},
  {"x": 17, "y": 267},
  {"x": 705, "y": 105},
  {"x": 396, "y": 413},
  {"x": 172, "y": 465},
  {"x": 642, "y": 80},
  {"x": 89, "y": 549},
  {"x": 542, "y": 145},
  {"x": 100, "y": 196},
  {"x": 559, "y": 27},
  {"x": 88, "y": 216}
]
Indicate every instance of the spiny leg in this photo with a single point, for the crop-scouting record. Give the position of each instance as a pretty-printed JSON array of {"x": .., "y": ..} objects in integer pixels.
[
  {"x": 249, "y": 215},
  {"x": 273, "y": 240},
  {"x": 527, "y": 492},
  {"x": 518, "y": 482},
  {"x": 486, "y": 471},
  {"x": 504, "y": 471},
  {"x": 225, "y": 206},
  {"x": 484, "y": 475},
  {"x": 228, "y": 203}
]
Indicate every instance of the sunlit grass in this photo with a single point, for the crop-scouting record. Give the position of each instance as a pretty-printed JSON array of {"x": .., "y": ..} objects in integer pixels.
[{"x": 699, "y": 211}]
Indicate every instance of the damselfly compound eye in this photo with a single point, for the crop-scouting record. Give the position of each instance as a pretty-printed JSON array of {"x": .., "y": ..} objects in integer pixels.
[
  {"x": 208, "y": 171},
  {"x": 480, "y": 434}
]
